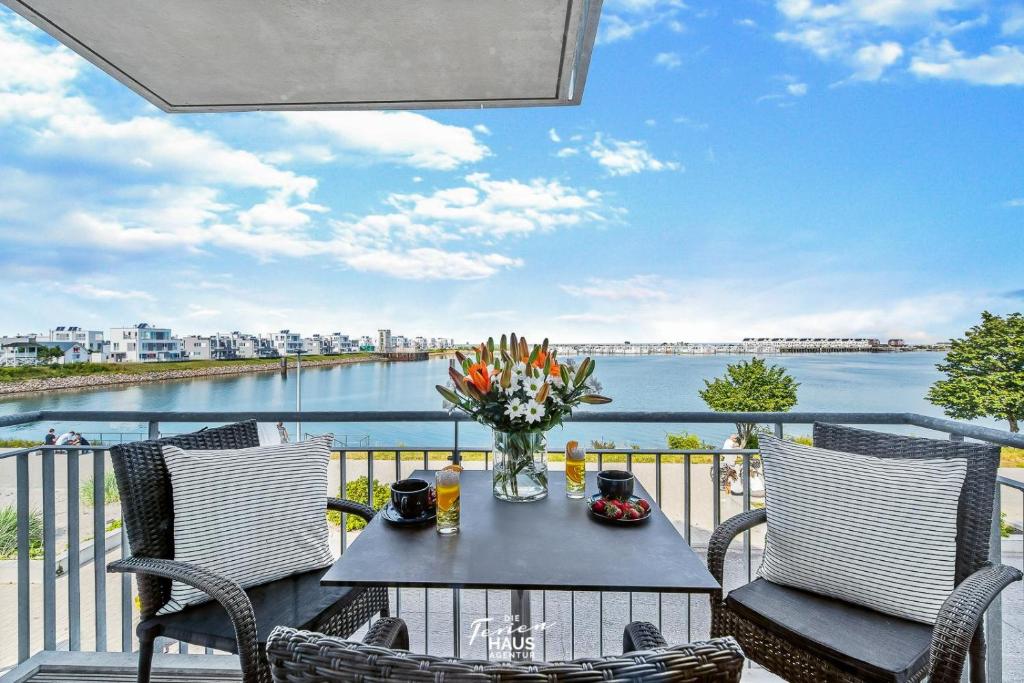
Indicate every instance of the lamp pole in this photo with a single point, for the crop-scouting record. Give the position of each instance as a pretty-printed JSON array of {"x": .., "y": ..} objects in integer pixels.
[{"x": 298, "y": 393}]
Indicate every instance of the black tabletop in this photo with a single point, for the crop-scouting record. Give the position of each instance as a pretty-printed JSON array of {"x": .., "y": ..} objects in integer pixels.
[{"x": 551, "y": 544}]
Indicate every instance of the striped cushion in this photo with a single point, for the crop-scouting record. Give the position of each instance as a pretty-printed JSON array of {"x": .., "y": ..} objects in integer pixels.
[
  {"x": 251, "y": 514},
  {"x": 877, "y": 532}
]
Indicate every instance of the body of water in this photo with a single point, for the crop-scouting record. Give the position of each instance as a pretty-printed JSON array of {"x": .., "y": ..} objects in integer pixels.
[{"x": 853, "y": 382}]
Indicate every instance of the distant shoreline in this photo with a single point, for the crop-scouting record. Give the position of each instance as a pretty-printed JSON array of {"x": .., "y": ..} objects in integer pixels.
[{"x": 92, "y": 381}]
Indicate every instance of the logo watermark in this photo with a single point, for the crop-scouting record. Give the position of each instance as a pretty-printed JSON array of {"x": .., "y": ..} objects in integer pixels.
[{"x": 507, "y": 639}]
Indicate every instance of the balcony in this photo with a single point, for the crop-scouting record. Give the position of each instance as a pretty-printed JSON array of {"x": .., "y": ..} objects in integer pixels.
[{"x": 74, "y": 621}]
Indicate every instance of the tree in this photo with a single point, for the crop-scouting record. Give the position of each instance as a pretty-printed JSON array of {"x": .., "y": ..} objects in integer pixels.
[
  {"x": 750, "y": 386},
  {"x": 985, "y": 372}
]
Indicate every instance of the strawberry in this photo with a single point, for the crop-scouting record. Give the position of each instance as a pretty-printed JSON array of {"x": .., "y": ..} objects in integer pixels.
[
  {"x": 613, "y": 512},
  {"x": 633, "y": 514},
  {"x": 598, "y": 506},
  {"x": 644, "y": 505}
]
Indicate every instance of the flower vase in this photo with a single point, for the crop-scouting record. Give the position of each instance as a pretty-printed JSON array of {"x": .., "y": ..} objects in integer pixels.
[{"x": 520, "y": 468}]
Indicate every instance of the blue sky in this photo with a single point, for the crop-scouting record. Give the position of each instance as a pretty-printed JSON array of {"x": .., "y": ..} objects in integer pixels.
[{"x": 736, "y": 169}]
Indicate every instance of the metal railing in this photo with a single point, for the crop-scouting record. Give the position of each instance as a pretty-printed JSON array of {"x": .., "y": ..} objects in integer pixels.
[{"x": 387, "y": 462}]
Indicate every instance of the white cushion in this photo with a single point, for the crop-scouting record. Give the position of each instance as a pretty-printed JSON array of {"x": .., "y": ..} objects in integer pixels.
[
  {"x": 250, "y": 514},
  {"x": 878, "y": 532}
]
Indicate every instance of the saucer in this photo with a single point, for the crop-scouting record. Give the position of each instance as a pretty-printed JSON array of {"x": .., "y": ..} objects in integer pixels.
[
  {"x": 615, "y": 522},
  {"x": 390, "y": 515}
]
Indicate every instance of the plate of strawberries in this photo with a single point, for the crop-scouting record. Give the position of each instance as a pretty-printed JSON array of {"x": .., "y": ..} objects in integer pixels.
[{"x": 627, "y": 511}]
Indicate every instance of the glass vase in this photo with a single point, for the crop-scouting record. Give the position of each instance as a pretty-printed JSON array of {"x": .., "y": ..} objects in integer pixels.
[{"x": 520, "y": 472}]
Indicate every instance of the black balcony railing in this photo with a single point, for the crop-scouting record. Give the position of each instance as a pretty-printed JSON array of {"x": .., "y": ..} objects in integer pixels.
[{"x": 77, "y": 607}]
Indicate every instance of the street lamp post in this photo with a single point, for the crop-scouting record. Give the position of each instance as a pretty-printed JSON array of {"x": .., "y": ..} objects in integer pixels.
[{"x": 298, "y": 393}]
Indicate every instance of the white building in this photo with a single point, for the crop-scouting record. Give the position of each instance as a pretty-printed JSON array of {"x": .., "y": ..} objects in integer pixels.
[
  {"x": 316, "y": 345},
  {"x": 366, "y": 343},
  {"x": 142, "y": 343},
  {"x": 384, "y": 341},
  {"x": 341, "y": 343},
  {"x": 90, "y": 339},
  {"x": 195, "y": 347},
  {"x": 19, "y": 350},
  {"x": 286, "y": 342},
  {"x": 73, "y": 351}
]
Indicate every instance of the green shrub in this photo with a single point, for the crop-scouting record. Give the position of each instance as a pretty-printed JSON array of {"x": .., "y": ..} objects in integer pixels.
[
  {"x": 687, "y": 442},
  {"x": 113, "y": 524},
  {"x": 19, "y": 443},
  {"x": 9, "y": 533},
  {"x": 356, "y": 490},
  {"x": 1005, "y": 529},
  {"x": 804, "y": 440},
  {"x": 110, "y": 492}
]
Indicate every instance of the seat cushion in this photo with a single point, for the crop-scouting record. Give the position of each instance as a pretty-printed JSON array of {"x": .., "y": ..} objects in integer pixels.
[
  {"x": 870, "y": 644},
  {"x": 298, "y": 601}
]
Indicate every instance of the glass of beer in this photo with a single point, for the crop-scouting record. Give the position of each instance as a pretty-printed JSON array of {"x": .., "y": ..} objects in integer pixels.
[
  {"x": 575, "y": 470},
  {"x": 448, "y": 500}
]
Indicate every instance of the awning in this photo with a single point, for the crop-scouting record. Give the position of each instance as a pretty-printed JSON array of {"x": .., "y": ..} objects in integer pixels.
[{"x": 242, "y": 55}]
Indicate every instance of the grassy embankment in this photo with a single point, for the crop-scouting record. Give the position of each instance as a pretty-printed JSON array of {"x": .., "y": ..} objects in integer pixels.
[{"x": 86, "y": 369}]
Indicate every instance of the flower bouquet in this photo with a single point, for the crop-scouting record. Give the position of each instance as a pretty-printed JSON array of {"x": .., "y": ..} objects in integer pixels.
[{"x": 520, "y": 393}]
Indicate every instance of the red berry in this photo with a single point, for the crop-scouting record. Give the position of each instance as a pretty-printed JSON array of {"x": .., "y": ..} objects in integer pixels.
[
  {"x": 598, "y": 506},
  {"x": 633, "y": 514},
  {"x": 644, "y": 504},
  {"x": 613, "y": 512}
]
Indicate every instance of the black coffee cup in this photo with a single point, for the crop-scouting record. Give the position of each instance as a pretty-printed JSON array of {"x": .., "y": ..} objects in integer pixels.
[
  {"x": 615, "y": 483},
  {"x": 410, "y": 497}
]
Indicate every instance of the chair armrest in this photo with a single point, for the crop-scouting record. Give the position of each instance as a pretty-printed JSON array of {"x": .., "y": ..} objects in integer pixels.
[
  {"x": 389, "y": 632},
  {"x": 351, "y": 506},
  {"x": 641, "y": 635},
  {"x": 960, "y": 616},
  {"x": 718, "y": 545},
  {"x": 225, "y": 591}
]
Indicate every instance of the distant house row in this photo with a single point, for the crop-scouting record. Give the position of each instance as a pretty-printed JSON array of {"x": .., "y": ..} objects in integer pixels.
[{"x": 144, "y": 343}]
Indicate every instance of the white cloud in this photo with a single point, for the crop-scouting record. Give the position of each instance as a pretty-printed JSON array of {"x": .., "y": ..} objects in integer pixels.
[
  {"x": 690, "y": 123},
  {"x": 1013, "y": 23},
  {"x": 871, "y": 61},
  {"x": 797, "y": 89},
  {"x": 482, "y": 129},
  {"x": 398, "y": 137},
  {"x": 669, "y": 60},
  {"x": 567, "y": 152},
  {"x": 1014, "y": 203},
  {"x": 624, "y": 19},
  {"x": 636, "y": 288},
  {"x": 86, "y": 290},
  {"x": 1002, "y": 65},
  {"x": 553, "y": 135},
  {"x": 869, "y": 35},
  {"x": 626, "y": 157}
]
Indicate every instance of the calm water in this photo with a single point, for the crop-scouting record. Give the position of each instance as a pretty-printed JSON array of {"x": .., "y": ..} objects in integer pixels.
[{"x": 828, "y": 382}]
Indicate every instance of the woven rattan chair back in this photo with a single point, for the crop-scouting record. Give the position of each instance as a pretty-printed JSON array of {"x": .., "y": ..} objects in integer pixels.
[
  {"x": 147, "y": 506},
  {"x": 974, "y": 515},
  {"x": 304, "y": 657}
]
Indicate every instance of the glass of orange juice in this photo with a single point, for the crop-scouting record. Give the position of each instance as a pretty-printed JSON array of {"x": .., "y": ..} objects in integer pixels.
[
  {"x": 448, "y": 500},
  {"x": 575, "y": 470}
]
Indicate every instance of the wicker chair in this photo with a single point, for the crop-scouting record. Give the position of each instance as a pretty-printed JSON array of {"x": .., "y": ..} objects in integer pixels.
[
  {"x": 303, "y": 657},
  {"x": 236, "y": 620},
  {"x": 806, "y": 637}
]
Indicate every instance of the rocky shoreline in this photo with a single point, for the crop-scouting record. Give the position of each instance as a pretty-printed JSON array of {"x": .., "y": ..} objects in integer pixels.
[{"x": 92, "y": 381}]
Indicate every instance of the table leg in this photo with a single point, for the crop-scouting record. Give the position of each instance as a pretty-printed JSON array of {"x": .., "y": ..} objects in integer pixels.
[{"x": 522, "y": 648}]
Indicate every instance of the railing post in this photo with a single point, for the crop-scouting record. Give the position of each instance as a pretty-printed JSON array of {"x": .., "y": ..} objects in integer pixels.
[
  {"x": 49, "y": 553},
  {"x": 456, "y": 457},
  {"x": 154, "y": 430},
  {"x": 994, "y": 615},
  {"x": 24, "y": 590},
  {"x": 74, "y": 559},
  {"x": 778, "y": 430}
]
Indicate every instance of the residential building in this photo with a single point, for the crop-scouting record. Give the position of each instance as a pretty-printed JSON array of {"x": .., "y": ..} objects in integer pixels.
[
  {"x": 142, "y": 343},
  {"x": 316, "y": 345},
  {"x": 74, "y": 352},
  {"x": 195, "y": 347},
  {"x": 19, "y": 350},
  {"x": 90, "y": 339},
  {"x": 366, "y": 343},
  {"x": 286, "y": 342},
  {"x": 341, "y": 343},
  {"x": 384, "y": 341}
]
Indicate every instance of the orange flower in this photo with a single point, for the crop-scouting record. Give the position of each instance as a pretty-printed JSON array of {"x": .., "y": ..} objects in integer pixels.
[
  {"x": 555, "y": 370},
  {"x": 541, "y": 358},
  {"x": 479, "y": 377}
]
